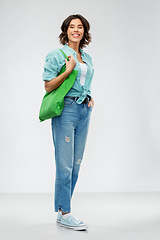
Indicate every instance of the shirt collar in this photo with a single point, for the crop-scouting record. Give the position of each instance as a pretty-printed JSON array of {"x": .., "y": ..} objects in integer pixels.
[
  {"x": 81, "y": 50},
  {"x": 70, "y": 51}
]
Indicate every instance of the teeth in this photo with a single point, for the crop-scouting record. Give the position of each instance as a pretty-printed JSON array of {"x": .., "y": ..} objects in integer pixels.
[{"x": 75, "y": 35}]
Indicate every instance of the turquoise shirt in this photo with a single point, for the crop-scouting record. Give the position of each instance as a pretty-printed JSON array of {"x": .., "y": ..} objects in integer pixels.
[{"x": 54, "y": 62}]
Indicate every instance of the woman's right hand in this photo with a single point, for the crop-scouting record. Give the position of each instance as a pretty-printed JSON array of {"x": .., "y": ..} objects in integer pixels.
[
  {"x": 57, "y": 81},
  {"x": 70, "y": 65}
]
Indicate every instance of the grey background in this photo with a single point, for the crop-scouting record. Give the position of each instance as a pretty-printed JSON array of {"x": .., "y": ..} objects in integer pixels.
[{"x": 123, "y": 147}]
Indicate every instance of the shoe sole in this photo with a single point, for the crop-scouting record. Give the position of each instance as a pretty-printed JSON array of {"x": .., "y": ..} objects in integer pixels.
[
  {"x": 58, "y": 221},
  {"x": 84, "y": 227}
]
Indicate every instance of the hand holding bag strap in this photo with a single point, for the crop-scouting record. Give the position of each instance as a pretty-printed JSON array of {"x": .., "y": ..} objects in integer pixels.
[{"x": 53, "y": 102}]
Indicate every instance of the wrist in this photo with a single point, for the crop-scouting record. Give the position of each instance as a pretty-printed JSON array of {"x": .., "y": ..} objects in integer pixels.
[{"x": 68, "y": 71}]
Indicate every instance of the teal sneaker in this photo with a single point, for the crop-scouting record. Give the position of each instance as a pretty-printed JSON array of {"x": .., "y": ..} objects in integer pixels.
[
  {"x": 73, "y": 223},
  {"x": 59, "y": 216}
]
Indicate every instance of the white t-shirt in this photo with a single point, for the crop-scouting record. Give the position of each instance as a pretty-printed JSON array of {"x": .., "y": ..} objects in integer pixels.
[{"x": 83, "y": 73}]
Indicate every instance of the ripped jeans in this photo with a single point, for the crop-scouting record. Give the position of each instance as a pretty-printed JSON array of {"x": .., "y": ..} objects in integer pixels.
[{"x": 69, "y": 132}]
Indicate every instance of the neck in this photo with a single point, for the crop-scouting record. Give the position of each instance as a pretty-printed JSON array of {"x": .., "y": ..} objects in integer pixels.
[{"x": 74, "y": 46}]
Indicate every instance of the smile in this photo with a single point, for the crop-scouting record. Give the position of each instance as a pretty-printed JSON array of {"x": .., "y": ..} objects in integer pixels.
[{"x": 75, "y": 35}]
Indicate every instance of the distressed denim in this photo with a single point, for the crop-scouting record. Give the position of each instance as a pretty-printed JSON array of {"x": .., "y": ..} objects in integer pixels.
[{"x": 69, "y": 132}]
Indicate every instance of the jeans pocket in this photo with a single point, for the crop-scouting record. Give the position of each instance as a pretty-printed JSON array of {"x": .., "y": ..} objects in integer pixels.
[
  {"x": 68, "y": 102},
  {"x": 91, "y": 108}
]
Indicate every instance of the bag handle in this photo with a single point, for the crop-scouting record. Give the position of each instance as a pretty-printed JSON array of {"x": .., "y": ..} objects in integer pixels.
[{"x": 64, "y": 54}]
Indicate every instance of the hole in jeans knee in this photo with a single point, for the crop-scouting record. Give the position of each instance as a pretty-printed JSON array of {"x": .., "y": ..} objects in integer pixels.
[{"x": 67, "y": 139}]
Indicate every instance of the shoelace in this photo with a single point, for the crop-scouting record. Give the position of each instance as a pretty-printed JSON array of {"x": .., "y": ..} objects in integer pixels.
[{"x": 75, "y": 220}]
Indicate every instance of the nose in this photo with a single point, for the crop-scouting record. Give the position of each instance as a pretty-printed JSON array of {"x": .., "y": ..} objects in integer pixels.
[{"x": 76, "y": 29}]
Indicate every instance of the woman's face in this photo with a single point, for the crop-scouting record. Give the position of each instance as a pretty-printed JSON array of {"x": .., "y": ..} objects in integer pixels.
[{"x": 75, "y": 31}]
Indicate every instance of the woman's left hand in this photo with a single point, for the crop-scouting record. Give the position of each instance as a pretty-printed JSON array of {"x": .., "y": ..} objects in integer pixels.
[{"x": 91, "y": 103}]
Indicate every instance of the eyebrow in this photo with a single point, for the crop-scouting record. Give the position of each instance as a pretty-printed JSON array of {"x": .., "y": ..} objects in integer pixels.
[{"x": 74, "y": 24}]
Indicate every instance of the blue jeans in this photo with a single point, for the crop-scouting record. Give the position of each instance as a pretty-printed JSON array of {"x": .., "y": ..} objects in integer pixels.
[{"x": 69, "y": 136}]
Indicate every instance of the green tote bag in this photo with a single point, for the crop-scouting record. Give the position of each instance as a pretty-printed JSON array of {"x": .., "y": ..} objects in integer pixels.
[{"x": 53, "y": 102}]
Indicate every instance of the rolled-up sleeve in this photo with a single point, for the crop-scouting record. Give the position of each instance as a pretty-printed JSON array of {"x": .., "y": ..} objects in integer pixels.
[{"x": 50, "y": 68}]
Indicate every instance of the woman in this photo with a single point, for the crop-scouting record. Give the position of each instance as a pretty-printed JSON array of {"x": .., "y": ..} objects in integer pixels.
[{"x": 71, "y": 127}]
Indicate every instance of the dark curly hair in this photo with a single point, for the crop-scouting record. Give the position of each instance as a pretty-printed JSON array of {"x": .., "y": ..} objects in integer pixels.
[{"x": 87, "y": 36}]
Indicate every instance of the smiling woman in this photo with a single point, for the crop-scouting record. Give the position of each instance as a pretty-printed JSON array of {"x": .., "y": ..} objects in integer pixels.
[
  {"x": 69, "y": 23},
  {"x": 75, "y": 30},
  {"x": 70, "y": 129}
]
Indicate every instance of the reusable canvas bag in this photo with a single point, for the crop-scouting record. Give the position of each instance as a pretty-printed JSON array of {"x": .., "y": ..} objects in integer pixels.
[{"x": 53, "y": 102}]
